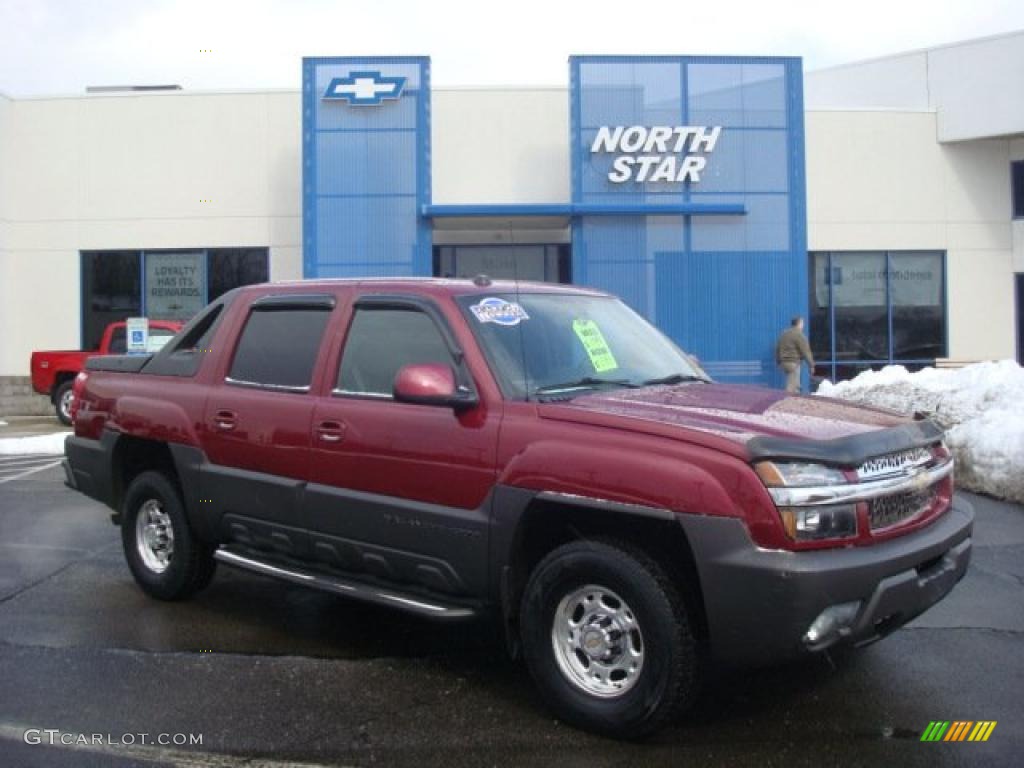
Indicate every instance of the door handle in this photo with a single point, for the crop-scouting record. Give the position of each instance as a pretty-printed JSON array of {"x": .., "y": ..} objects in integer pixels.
[
  {"x": 330, "y": 431},
  {"x": 225, "y": 420}
]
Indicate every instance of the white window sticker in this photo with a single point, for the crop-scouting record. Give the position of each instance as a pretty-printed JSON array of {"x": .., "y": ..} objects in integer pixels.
[{"x": 495, "y": 310}]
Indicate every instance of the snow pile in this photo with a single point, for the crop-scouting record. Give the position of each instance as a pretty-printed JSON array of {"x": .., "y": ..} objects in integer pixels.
[
  {"x": 981, "y": 406},
  {"x": 36, "y": 444}
]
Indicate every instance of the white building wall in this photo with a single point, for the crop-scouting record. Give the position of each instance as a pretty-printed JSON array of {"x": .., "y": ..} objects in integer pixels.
[
  {"x": 500, "y": 145},
  {"x": 895, "y": 82},
  {"x": 136, "y": 171},
  {"x": 974, "y": 86},
  {"x": 880, "y": 181}
]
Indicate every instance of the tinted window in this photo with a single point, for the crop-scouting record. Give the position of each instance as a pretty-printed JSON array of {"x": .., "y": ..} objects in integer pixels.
[
  {"x": 279, "y": 347},
  {"x": 867, "y": 294},
  {"x": 820, "y": 320},
  {"x": 381, "y": 341},
  {"x": 860, "y": 299},
  {"x": 233, "y": 267},
  {"x": 1017, "y": 182},
  {"x": 118, "y": 343},
  {"x": 918, "y": 307},
  {"x": 111, "y": 291}
]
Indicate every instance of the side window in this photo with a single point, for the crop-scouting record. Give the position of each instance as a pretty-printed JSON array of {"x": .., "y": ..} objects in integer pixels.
[
  {"x": 278, "y": 347},
  {"x": 196, "y": 334},
  {"x": 182, "y": 355},
  {"x": 380, "y": 342},
  {"x": 118, "y": 344}
]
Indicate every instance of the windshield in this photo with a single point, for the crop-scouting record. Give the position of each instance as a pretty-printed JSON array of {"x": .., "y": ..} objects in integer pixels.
[{"x": 543, "y": 345}]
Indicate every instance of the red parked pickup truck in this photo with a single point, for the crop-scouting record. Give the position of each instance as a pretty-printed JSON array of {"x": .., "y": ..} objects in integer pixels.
[
  {"x": 53, "y": 372},
  {"x": 538, "y": 453}
]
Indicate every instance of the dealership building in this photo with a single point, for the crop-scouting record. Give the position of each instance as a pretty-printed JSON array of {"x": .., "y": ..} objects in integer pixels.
[{"x": 719, "y": 196}]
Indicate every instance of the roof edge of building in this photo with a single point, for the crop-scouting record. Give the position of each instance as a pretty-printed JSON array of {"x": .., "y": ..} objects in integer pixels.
[{"x": 918, "y": 51}]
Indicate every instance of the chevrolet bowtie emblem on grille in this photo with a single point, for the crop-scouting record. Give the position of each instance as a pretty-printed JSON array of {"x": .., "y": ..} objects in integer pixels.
[{"x": 363, "y": 89}]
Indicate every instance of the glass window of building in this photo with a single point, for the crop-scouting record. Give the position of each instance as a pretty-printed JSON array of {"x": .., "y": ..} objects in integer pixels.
[
  {"x": 540, "y": 263},
  {"x": 161, "y": 285},
  {"x": 1017, "y": 188},
  {"x": 872, "y": 308}
]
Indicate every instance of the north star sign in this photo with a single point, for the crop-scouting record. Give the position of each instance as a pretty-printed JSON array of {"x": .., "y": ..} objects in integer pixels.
[
  {"x": 659, "y": 153},
  {"x": 363, "y": 89}
]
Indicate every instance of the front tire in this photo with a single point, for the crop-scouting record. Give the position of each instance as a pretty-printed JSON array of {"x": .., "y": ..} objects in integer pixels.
[
  {"x": 608, "y": 639},
  {"x": 164, "y": 555},
  {"x": 62, "y": 401}
]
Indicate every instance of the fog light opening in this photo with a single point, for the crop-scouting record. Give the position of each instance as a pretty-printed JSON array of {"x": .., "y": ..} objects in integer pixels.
[{"x": 832, "y": 624}]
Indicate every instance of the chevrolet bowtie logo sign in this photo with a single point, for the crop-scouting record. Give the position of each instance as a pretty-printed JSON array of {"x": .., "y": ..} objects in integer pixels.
[{"x": 363, "y": 89}]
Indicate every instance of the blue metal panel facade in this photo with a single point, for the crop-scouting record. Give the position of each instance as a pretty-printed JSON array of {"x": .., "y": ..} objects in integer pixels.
[
  {"x": 722, "y": 286},
  {"x": 365, "y": 166}
]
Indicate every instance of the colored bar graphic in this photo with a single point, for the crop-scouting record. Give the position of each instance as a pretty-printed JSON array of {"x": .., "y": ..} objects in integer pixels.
[
  {"x": 935, "y": 730},
  {"x": 958, "y": 730},
  {"x": 982, "y": 730}
]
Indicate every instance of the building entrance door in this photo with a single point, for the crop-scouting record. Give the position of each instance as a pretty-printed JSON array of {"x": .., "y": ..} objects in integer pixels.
[{"x": 543, "y": 263}]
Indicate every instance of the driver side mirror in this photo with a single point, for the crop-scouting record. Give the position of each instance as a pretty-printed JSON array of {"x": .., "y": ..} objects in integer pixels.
[{"x": 431, "y": 384}]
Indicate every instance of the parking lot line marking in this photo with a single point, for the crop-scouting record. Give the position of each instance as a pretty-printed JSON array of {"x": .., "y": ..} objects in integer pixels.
[
  {"x": 181, "y": 758},
  {"x": 16, "y": 470},
  {"x": 51, "y": 547},
  {"x": 29, "y": 472},
  {"x": 18, "y": 460}
]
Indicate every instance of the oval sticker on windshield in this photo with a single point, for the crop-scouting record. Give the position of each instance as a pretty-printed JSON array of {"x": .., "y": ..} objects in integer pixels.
[{"x": 495, "y": 310}]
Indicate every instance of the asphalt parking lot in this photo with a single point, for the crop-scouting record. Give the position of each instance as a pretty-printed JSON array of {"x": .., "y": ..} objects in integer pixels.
[{"x": 271, "y": 674}]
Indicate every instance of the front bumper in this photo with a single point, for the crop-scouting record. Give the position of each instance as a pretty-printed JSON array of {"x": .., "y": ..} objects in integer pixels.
[{"x": 760, "y": 603}]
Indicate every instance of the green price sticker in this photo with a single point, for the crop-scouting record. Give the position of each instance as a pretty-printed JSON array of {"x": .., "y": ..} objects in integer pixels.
[{"x": 590, "y": 335}]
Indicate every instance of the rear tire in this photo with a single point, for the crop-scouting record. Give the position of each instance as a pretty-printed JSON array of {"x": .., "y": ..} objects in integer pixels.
[
  {"x": 62, "y": 402},
  {"x": 608, "y": 639},
  {"x": 164, "y": 555}
]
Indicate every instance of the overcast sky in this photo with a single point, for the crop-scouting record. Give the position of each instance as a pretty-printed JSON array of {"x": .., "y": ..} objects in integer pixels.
[{"x": 59, "y": 47}]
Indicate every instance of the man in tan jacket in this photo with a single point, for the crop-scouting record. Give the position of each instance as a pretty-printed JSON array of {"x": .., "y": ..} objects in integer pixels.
[{"x": 791, "y": 349}]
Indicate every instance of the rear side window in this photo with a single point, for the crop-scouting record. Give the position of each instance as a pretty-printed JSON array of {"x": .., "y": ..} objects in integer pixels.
[
  {"x": 278, "y": 348},
  {"x": 182, "y": 355},
  {"x": 380, "y": 342},
  {"x": 118, "y": 345}
]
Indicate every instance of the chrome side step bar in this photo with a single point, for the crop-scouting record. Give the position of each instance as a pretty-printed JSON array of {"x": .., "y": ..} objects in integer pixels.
[{"x": 347, "y": 588}]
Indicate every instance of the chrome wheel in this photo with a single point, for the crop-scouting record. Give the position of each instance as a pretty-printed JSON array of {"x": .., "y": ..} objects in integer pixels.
[
  {"x": 154, "y": 536},
  {"x": 597, "y": 641},
  {"x": 65, "y": 404}
]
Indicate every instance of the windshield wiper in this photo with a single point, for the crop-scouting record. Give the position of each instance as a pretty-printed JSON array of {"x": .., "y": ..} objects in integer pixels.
[
  {"x": 585, "y": 382},
  {"x": 672, "y": 378}
]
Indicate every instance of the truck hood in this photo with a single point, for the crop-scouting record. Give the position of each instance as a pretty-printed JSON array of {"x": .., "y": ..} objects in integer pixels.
[{"x": 734, "y": 413}]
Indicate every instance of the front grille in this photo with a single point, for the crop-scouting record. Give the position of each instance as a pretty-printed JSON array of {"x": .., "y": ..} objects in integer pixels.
[
  {"x": 893, "y": 463},
  {"x": 893, "y": 510}
]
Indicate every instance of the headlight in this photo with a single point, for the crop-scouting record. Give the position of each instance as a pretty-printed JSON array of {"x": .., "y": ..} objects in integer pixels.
[
  {"x": 775, "y": 474},
  {"x": 834, "y": 521},
  {"x": 812, "y": 522}
]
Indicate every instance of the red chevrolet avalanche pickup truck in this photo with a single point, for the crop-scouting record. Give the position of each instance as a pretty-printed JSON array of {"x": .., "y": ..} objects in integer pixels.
[
  {"x": 536, "y": 452},
  {"x": 53, "y": 372}
]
